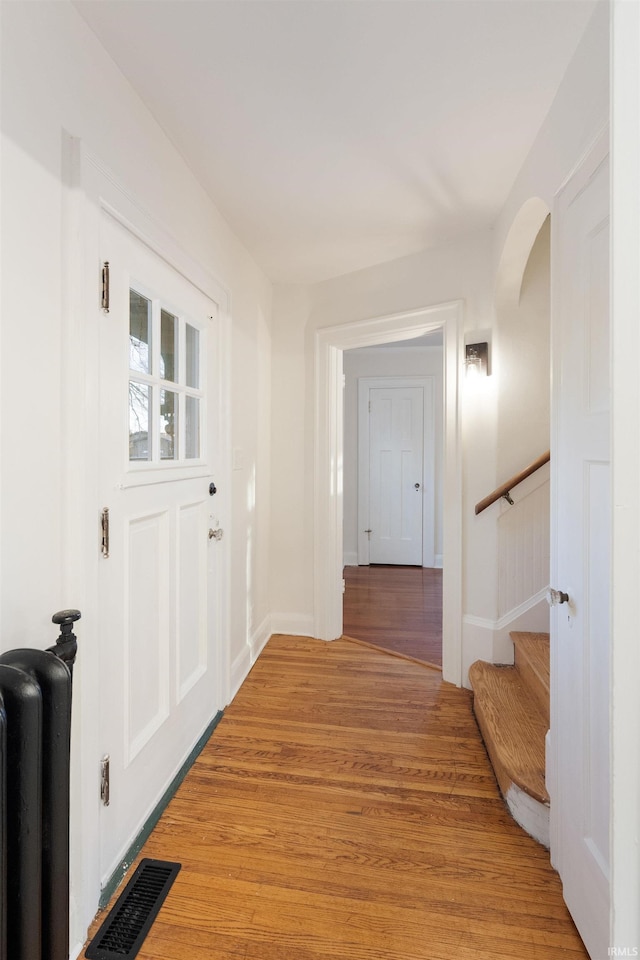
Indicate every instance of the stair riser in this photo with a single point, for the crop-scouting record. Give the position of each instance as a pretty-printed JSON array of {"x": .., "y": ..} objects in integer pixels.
[
  {"x": 530, "y": 813},
  {"x": 503, "y": 778},
  {"x": 511, "y": 705},
  {"x": 512, "y": 725},
  {"x": 532, "y": 680}
]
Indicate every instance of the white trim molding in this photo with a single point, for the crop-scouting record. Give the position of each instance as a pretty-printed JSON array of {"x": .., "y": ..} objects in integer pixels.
[
  {"x": 294, "y": 624},
  {"x": 250, "y": 652},
  {"x": 259, "y": 638},
  {"x": 240, "y": 667},
  {"x": 490, "y": 640},
  {"x": 328, "y": 504}
]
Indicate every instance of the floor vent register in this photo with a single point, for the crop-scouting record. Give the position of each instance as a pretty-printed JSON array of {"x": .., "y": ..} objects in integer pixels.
[{"x": 129, "y": 921}]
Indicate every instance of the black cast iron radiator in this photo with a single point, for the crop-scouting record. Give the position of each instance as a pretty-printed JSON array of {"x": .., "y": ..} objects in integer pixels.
[{"x": 35, "y": 732}]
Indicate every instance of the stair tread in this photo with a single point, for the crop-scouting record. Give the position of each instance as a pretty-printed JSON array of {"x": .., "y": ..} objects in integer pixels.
[
  {"x": 534, "y": 647},
  {"x": 512, "y": 724}
]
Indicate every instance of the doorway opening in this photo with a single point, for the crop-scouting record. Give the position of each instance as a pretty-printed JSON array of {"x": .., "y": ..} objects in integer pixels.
[
  {"x": 392, "y": 534},
  {"x": 331, "y": 342}
]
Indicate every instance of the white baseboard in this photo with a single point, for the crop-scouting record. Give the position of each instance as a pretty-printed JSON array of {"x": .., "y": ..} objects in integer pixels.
[
  {"x": 490, "y": 640},
  {"x": 532, "y": 615},
  {"x": 259, "y": 638},
  {"x": 437, "y": 561},
  {"x": 477, "y": 643},
  {"x": 350, "y": 558},
  {"x": 239, "y": 670},
  {"x": 286, "y": 623},
  {"x": 292, "y": 624},
  {"x": 248, "y": 655}
]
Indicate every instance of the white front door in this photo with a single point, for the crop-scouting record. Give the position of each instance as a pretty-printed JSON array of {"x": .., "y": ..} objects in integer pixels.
[
  {"x": 396, "y": 453},
  {"x": 581, "y": 523},
  {"x": 158, "y": 584}
]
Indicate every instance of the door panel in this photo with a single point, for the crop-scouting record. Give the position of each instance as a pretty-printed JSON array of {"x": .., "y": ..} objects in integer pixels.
[
  {"x": 159, "y": 587},
  {"x": 146, "y": 625},
  {"x": 396, "y": 443},
  {"x": 389, "y": 472},
  {"x": 580, "y": 695},
  {"x": 191, "y": 615}
]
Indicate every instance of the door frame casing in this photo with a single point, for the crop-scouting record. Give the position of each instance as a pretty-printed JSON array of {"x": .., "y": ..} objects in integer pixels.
[
  {"x": 426, "y": 383},
  {"x": 89, "y": 189},
  {"x": 330, "y": 343}
]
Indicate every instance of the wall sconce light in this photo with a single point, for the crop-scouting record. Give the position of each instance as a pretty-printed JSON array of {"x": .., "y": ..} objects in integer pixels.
[{"x": 476, "y": 359}]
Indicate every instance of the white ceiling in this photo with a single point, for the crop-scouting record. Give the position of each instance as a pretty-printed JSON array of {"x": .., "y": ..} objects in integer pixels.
[{"x": 335, "y": 134}]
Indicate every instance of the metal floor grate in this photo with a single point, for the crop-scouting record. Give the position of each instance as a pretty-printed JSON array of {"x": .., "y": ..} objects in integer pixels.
[{"x": 122, "y": 933}]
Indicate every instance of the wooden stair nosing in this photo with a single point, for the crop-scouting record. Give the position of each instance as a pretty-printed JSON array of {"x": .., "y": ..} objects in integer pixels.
[{"x": 513, "y": 727}]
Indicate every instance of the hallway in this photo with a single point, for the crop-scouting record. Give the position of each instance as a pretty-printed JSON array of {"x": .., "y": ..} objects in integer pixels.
[
  {"x": 395, "y": 608},
  {"x": 325, "y": 819}
]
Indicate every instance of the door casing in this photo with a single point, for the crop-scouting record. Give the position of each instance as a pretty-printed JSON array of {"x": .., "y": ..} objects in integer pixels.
[{"x": 330, "y": 342}]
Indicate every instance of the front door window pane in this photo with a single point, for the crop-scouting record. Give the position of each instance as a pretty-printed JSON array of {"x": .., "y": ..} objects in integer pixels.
[
  {"x": 192, "y": 429},
  {"x": 139, "y": 333},
  {"x": 168, "y": 425},
  {"x": 168, "y": 346},
  {"x": 166, "y": 400},
  {"x": 193, "y": 356},
  {"x": 139, "y": 421}
]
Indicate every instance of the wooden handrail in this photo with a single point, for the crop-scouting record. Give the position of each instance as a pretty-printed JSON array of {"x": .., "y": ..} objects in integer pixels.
[{"x": 505, "y": 488}]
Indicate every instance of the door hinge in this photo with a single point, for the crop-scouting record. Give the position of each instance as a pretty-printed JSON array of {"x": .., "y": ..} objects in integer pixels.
[
  {"x": 104, "y": 530},
  {"x": 105, "y": 287},
  {"x": 104, "y": 779}
]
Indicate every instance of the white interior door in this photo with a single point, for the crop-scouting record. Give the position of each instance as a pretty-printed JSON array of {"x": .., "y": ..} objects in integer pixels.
[
  {"x": 396, "y": 488},
  {"x": 158, "y": 584},
  {"x": 580, "y": 696}
]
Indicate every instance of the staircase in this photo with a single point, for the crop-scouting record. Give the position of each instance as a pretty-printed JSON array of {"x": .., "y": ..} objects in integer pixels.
[{"x": 511, "y": 705}]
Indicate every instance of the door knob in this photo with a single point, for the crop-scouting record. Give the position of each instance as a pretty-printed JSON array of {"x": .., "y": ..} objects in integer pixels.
[
  {"x": 216, "y": 534},
  {"x": 417, "y": 486},
  {"x": 554, "y": 597}
]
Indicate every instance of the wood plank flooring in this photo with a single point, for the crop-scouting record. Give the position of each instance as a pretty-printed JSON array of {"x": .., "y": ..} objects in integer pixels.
[
  {"x": 396, "y": 608},
  {"x": 345, "y": 808}
]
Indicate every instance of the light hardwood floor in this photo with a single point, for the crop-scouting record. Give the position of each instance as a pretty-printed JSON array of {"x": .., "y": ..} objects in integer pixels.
[{"x": 345, "y": 808}]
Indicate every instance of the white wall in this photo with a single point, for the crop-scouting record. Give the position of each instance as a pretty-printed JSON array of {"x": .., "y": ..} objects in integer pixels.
[
  {"x": 56, "y": 78},
  {"x": 579, "y": 110},
  {"x": 524, "y": 375},
  {"x": 397, "y": 361},
  {"x": 466, "y": 270},
  {"x": 292, "y": 466},
  {"x": 452, "y": 272}
]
